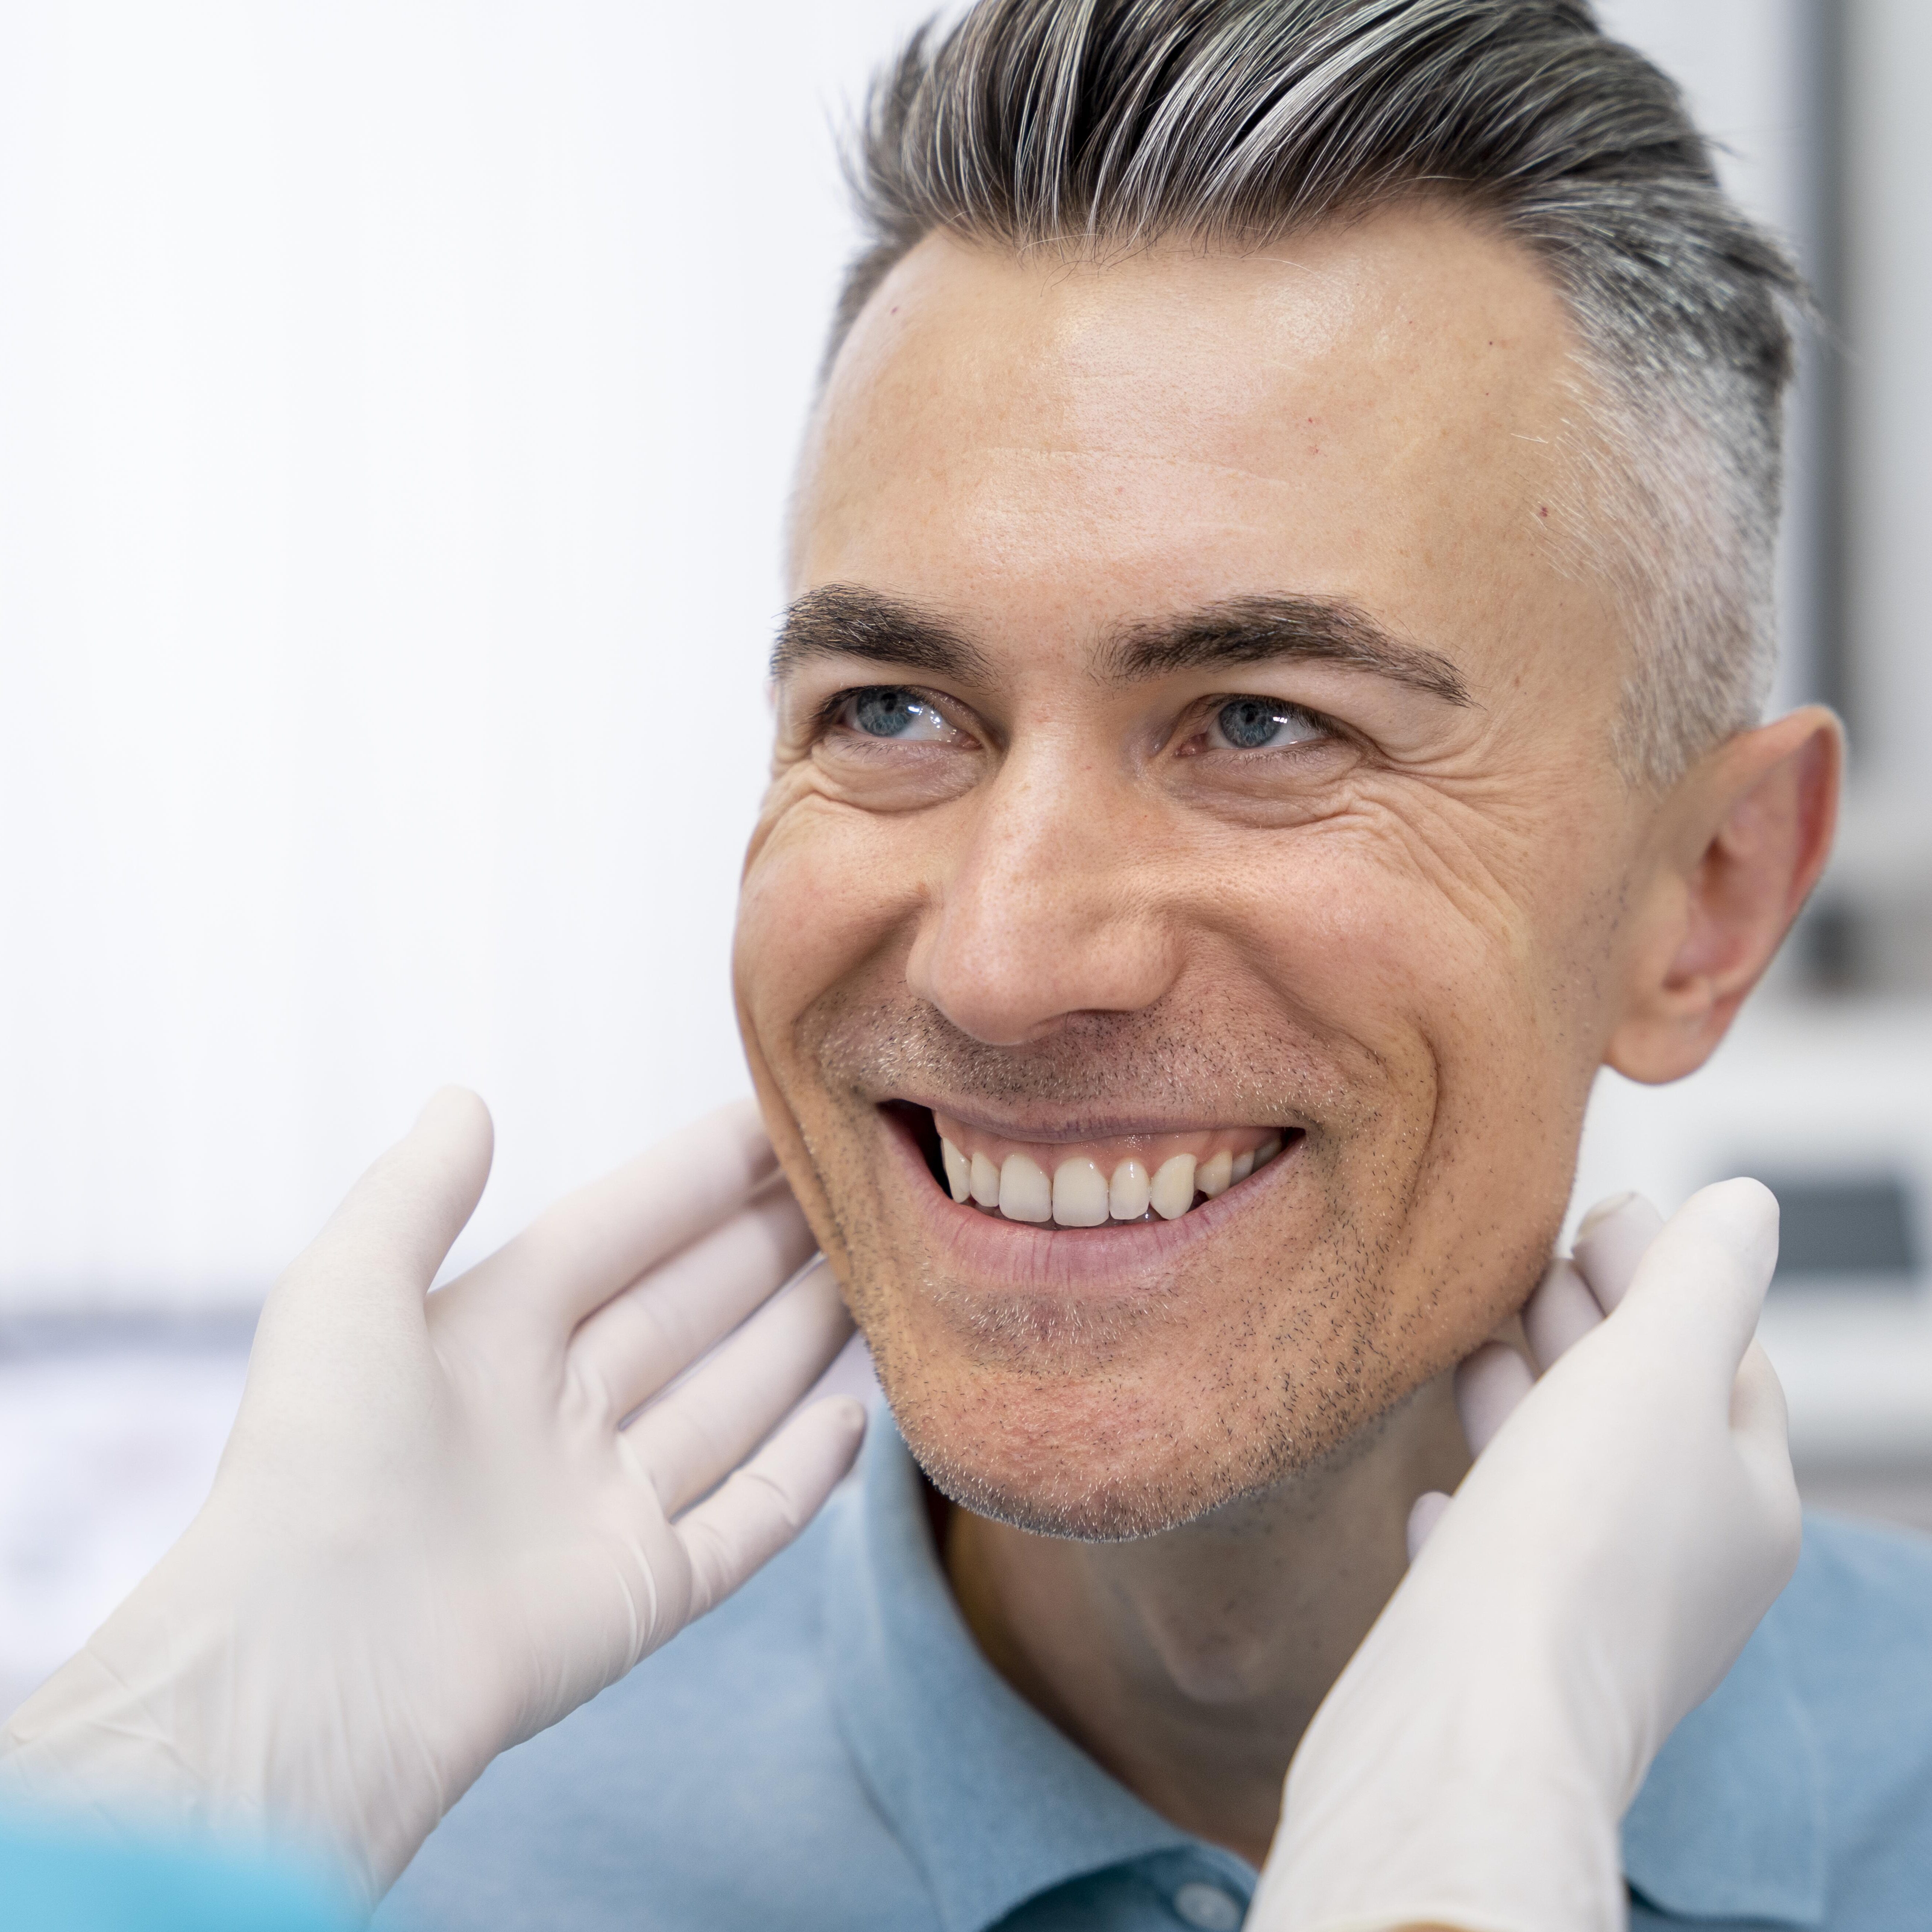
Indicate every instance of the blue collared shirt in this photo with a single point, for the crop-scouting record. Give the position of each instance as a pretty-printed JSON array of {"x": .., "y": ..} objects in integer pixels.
[{"x": 830, "y": 1750}]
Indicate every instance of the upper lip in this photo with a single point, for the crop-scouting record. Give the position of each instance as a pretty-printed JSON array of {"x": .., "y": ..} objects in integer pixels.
[{"x": 1050, "y": 1125}]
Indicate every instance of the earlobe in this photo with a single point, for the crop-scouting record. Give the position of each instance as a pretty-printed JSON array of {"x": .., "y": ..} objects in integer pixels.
[{"x": 1743, "y": 838}]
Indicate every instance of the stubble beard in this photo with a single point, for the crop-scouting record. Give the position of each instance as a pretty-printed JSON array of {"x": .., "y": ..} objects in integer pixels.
[{"x": 1307, "y": 1365}]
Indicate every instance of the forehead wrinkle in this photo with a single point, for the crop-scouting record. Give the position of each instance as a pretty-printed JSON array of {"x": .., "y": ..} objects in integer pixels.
[{"x": 1046, "y": 455}]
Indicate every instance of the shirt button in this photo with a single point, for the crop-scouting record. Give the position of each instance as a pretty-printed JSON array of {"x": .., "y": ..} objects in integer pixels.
[{"x": 1208, "y": 1907}]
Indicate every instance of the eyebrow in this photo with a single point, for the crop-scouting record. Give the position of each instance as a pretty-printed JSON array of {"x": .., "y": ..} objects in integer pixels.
[
  {"x": 1264, "y": 630},
  {"x": 839, "y": 620},
  {"x": 843, "y": 620}
]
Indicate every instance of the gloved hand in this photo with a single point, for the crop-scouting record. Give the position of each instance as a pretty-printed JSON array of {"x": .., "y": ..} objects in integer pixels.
[
  {"x": 1626, "y": 1523},
  {"x": 430, "y": 1535}
]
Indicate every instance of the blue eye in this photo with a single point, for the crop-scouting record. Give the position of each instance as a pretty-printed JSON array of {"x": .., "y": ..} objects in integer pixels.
[
  {"x": 890, "y": 711},
  {"x": 1261, "y": 724}
]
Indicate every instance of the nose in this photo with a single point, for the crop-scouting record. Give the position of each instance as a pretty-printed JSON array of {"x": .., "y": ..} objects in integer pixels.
[{"x": 1044, "y": 909}]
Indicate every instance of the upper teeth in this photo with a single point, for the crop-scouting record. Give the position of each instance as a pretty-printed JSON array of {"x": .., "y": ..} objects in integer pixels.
[{"x": 1080, "y": 1194}]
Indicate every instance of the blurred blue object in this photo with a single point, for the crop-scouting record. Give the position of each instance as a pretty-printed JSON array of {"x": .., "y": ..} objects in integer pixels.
[{"x": 55, "y": 1879}]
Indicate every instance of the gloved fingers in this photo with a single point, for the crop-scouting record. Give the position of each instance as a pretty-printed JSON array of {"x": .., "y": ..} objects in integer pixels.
[
  {"x": 1600, "y": 1210},
  {"x": 1422, "y": 1519},
  {"x": 1700, "y": 1289},
  {"x": 1757, "y": 1398},
  {"x": 399, "y": 1221},
  {"x": 1760, "y": 1422},
  {"x": 592, "y": 1244},
  {"x": 694, "y": 1435},
  {"x": 1560, "y": 1312},
  {"x": 1611, "y": 1238},
  {"x": 639, "y": 1340},
  {"x": 1765, "y": 1446},
  {"x": 763, "y": 1506},
  {"x": 1489, "y": 1385}
]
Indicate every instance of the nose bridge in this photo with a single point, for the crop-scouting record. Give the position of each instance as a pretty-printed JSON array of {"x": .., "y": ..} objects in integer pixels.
[{"x": 1045, "y": 911}]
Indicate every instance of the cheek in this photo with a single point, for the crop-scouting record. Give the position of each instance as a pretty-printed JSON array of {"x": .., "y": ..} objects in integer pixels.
[
  {"x": 1462, "y": 989},
  {"x": 1370, "y": 940},
  {"x": 1455, "y": 994},
  {"x": 822, "y": 893}
]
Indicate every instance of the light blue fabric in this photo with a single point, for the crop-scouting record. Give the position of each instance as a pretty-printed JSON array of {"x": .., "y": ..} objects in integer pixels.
[
  {"x": 53, "y": 1879},
  {"x": 829, "y": 1749}
]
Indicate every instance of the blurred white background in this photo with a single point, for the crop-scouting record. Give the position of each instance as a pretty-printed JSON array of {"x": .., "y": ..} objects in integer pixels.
[
  {"x": 396, "y": 401},
  {"x": 396, "y": 404}
]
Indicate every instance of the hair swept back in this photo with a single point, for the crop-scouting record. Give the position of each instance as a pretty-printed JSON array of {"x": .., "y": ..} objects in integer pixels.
[{"x": 1107, "y": 124}]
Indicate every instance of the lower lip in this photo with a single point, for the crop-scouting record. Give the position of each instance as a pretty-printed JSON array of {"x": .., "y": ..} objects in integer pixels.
[{"x": 1123, "y": 1257}]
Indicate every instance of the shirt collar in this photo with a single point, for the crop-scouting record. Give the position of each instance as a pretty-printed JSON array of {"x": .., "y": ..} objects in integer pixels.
[
  {"x": 1730, "y": 1823},
  {"x": 997, "y": 1807},
  {"x": 992, "y": 1802}
]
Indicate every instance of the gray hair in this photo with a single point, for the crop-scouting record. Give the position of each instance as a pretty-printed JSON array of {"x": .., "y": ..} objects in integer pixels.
[{"x": 1108, "y": 125}]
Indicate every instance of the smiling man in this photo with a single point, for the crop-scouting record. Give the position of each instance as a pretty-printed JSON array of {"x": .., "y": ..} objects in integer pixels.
[
  {"x": 1268, "y": 705},
  {"x": 1186, "y": 986}
]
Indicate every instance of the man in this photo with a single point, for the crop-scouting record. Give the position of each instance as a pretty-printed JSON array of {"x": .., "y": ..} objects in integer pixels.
[{"x": 1280, "y": 610}]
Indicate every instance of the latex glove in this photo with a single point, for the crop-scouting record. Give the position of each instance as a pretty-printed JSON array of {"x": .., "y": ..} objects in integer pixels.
[
  {"x": 1623, "y": 1528},
  {"x": 429, "y": 1535},
  {"x": 1576, "y": 1292}
]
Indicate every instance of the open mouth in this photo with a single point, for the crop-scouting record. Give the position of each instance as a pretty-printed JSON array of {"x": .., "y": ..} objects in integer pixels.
[{"x": 1088, "y": 1183}]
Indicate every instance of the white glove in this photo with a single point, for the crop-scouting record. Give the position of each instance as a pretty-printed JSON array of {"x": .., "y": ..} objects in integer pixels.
[
  {"x": 430, "y": 1537},
  {"x": 1595, "y": 1575}
]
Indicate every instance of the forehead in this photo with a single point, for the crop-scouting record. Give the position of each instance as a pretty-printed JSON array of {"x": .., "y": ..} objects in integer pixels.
[{"x": 1374, "y": 410}]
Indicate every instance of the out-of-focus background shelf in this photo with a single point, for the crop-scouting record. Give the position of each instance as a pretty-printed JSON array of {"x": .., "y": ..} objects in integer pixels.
[{"x": 1829, "y": 1102}]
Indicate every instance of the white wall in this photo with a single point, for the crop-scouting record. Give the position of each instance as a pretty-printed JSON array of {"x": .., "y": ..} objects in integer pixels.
[
  {"x": 396, "y": 400},
  {"x": 1890, "y": 392},
  {"x": 1740, "y": 64},
  {"x": 1886, "y": 863}
]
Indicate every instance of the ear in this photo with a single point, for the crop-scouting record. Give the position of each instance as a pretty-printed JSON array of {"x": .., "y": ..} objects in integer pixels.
[{"x": 1741, "y": 841}]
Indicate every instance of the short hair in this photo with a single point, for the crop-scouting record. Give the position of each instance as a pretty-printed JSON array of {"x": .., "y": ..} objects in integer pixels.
[{"x": 1107, "y": 125}]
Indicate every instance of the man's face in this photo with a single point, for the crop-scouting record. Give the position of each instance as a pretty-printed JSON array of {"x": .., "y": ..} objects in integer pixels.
[{"x": 1192, "y": 742}]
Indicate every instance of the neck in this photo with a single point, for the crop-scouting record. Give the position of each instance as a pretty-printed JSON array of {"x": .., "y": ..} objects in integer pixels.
[{"x": 1189, "y": 1664}]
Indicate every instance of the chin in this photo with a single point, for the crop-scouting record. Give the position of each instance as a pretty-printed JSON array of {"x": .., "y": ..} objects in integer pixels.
[{"x": 1112, "y": 1449}]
